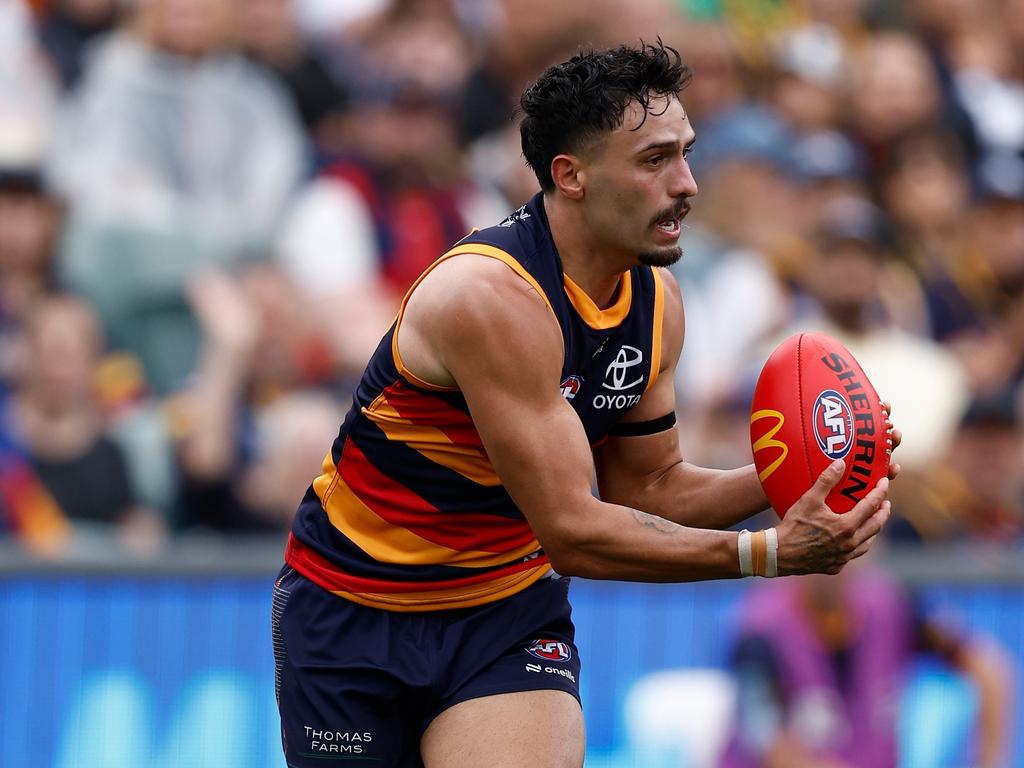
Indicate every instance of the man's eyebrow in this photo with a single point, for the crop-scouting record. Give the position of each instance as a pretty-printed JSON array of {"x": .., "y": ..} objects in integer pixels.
[{"x": 665, "y": 145}]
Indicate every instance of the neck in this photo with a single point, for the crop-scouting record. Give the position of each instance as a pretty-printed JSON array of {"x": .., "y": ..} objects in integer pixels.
[
  {"x": 55, "y": 434},
  {"x": 593, "y": 269}
]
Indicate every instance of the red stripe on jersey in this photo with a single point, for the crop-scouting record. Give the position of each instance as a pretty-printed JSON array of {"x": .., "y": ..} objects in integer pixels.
[
  {"x": 420, "y": 408},
  {"x": 329, "y": 576},
  {"x": 396, "y": 504}
]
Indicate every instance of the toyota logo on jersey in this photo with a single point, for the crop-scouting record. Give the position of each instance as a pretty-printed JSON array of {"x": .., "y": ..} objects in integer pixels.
[
  {"x": 618, "y": 370},
  {"x": 550, "y": 650}
]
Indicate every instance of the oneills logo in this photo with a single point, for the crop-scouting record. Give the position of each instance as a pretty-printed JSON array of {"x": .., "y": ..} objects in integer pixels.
[{"x": 767, "y": 440}]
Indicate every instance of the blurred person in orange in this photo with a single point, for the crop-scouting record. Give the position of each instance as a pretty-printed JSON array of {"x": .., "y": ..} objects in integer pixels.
[
  {"x": 424, "y": 602},
  {"x": 821, "y": 663},
  {"x": 59, "y": 460}
]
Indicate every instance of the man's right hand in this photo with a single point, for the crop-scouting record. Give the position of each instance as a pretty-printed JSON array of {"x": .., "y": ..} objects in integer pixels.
[{"x": 814, "y": 539}]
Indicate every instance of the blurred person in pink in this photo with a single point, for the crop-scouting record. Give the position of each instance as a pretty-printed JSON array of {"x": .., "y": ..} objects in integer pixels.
[
  {"x": 174, "y": 153},
  {"x": 821, "y": 663}
]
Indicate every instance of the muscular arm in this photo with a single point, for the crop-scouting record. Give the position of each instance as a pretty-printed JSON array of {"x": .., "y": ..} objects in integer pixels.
[
  {"x": 474, "y": 324},
  {"x": 649, "y": 472}
]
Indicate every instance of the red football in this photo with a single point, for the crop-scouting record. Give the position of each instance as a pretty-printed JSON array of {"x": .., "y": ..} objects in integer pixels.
[{"x": 813, "y": 405}]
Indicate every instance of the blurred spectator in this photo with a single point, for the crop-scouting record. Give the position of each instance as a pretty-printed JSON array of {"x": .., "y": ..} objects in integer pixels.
[
  {"x": 525, "y": 37},
  {"x": 58, "y": 460},
  {"x": 70, "y": 27},
  {"x": 363, "y": 231},
  {"x": 745, "y": 240},
  {"x": 29, "y": 225},
  {"x": 269, "y": 35},
  {"x": 830, "y": 167},
  {"x": 989, "y": 335},
  {"x": 925, "y": 189},
  {"x": 28, "y": 91},
  {"x": 174, "y": 153},
  {"x": 855, "y": 284},
  {"x": 975, "y": 493},
  {"x": 821, "y": 663},
  {"x": 720, "y": 83},
  {"x": 894, "y": 92},
  {"x": 251, "y": 427},
  {"x": 809, "y": 83}
]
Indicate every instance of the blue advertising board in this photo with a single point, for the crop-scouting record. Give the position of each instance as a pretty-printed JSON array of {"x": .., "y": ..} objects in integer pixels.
[{"x": 123, "y": 670}]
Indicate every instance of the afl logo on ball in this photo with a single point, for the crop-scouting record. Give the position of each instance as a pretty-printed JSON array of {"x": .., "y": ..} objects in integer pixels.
[
  {"x": 550, "y": 650},
  {"x": 571, "y": 386},
  {"x": 833, "y": 424}
]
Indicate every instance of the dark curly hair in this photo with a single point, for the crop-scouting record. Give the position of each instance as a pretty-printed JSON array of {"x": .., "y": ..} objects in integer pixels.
[{"x": 573, "y": 103}]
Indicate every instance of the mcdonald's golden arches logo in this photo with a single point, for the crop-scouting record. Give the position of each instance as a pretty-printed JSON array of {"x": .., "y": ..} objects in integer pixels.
[{"x": 767, "y": 440}]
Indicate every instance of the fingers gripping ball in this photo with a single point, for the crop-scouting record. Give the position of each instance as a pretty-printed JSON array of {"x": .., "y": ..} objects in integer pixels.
[{"x": 813, "y": 405}]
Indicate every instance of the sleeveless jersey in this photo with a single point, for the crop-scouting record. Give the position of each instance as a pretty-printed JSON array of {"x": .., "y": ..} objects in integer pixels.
[{"x": 409, "y": 514}]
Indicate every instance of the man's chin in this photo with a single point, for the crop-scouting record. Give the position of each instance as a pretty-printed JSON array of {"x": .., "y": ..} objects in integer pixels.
[{"x": 661, "y": 257}]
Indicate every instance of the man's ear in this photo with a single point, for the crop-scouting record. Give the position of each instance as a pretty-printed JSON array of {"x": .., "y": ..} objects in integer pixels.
[{"x": 570, "y": 175}]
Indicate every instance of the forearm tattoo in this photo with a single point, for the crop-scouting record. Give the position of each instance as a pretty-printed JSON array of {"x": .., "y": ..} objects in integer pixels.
[{"x": 653, "y": 521}]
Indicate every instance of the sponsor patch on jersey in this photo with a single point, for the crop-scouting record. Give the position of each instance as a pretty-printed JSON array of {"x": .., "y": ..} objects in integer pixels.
[
  {"x": 618, "y": 376},
  {"x": 571, "y": 386},
  {"x": 549, "y": 650}
]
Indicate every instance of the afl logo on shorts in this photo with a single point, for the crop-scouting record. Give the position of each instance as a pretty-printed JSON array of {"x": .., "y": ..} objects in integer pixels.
[
  {"x": 550, "y": 650},
  {"x": 571, "y": 386},
  {"x": 833, "y": 424}
]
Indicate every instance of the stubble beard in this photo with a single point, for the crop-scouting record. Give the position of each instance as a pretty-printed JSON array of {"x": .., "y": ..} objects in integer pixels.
[{"x": 663, "y": 257}]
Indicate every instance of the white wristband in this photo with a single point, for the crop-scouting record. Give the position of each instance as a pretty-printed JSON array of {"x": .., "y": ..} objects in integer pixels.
[
  {"x": 746, "y": 563},
  {"x": 772, "y": 562}
]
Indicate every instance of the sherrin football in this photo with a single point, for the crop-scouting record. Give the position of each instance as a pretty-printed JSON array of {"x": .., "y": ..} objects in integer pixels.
[{"x": 813, "y": 405}]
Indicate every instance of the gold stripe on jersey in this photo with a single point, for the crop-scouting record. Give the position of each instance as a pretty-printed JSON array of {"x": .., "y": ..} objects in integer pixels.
[
  {"x": 486, "y": 592},
  {"x": 659, "y": 317},
  {"x": 433, "y": 443},
  {"x": 597, "y": 318},
  {"x": 478, "y": 249},
  {"x": 389, "y": 543}
]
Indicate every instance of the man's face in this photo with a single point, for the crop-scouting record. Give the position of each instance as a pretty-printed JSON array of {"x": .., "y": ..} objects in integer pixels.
[{"x": 637, "y": 184}]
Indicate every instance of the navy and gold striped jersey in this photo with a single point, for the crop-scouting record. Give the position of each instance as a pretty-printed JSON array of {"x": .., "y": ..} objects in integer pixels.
[{"x": 409, "y": 514}]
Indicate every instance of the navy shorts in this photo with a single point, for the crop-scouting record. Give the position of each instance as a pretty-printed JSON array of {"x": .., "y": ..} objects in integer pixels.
[{"x": 356, "y": 682}]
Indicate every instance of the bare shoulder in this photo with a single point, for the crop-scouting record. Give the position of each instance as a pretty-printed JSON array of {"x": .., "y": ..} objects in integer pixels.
[{"x": 466, "y": 310}]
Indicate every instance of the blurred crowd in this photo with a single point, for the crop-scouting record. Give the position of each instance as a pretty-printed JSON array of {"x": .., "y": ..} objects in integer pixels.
[{"x": 210, "y": 209}]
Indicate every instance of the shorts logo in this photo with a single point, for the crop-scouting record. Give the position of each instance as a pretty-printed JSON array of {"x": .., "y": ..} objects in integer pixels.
[
  {"x": 617, "y": 372},
  {"x": 833, "y": 424},
  {"x": 549, "y": 650},
  {"x": 571, "y": 386}
]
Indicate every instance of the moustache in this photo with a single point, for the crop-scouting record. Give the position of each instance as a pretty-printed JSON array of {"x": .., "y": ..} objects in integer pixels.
[{"x": 671, "y": 213}]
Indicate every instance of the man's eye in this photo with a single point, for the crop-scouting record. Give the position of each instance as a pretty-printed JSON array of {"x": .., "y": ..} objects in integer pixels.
[{"x": 655, "y": 161}]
